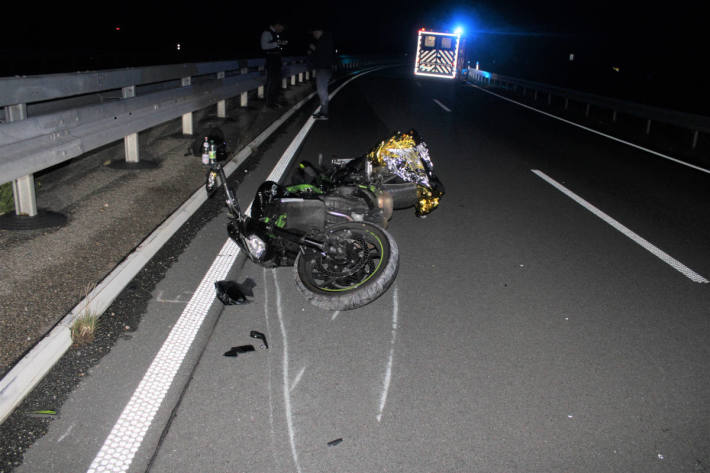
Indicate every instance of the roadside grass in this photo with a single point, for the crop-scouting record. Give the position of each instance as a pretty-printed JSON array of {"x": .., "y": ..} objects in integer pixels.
[
  {"x": 84, "y": 326},
  {"x": 7, "y": 201}
]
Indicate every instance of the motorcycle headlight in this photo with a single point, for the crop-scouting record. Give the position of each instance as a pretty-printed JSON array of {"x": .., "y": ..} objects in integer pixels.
[{"x": 256, "y": 246}]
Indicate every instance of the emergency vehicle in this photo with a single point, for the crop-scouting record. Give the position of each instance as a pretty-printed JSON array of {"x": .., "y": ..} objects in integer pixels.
[{"x": 438, "y": 54}]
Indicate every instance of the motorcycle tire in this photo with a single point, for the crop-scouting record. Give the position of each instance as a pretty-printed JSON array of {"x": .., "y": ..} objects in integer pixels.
[{"x": 359, "y": 265}]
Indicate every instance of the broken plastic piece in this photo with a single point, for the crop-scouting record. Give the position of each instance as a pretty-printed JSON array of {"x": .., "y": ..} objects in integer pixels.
[
  {"x": 259, "y": 336},
  {"x": 42, "y": 413},
  {"x": 229, "y": 293},
  {"x": 235, "y": 351},
  {"x": 335, "y": 442}
]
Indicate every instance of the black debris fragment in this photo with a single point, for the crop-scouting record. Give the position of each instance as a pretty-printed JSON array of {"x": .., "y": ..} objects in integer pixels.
[
  {"x": 235, "y": 351},
  {"x": 259, "y": 336},
  {"x": 335, "y": 442},
  {"x": 229, "y": 293}
]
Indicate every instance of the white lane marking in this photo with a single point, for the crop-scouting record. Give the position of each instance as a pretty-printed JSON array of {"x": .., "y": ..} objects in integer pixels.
[
  {"x": 442, "y": 105},
  {"x": 656, "y": 153},
  {"x": 388, "y": 371},
  {"x": 287, "y": 396},
  {"x": 297, "y": 380},
  {"x": 119, "y": 448},
  {"x": 418, "y": 84},
  {"x": 335, "y": 315},
  {"x": 127, "y": 434},
  {"x": 660, "y": 254}
]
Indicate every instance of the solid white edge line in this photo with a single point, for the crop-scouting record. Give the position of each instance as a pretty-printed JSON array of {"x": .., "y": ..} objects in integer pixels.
[
  {"x": 115, "y": 456},
  {"x": 442, "y": 105},
  {"x": 390, "y": 358},
  {"x": 592, "y": 130},
  {"x": 660, "y": 254},
  {"x": 24, "y": 376}
]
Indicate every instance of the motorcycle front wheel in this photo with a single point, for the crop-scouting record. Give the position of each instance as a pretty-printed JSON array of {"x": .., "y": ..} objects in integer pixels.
[{"x": 358, "y": 265}]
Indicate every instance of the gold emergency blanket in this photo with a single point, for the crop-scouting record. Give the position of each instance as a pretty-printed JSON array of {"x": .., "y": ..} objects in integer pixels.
[{"x": 406, "y": 156}]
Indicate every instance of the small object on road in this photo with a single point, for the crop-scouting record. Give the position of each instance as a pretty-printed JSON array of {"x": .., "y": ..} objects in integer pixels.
[
  {"x": 335, "y": 442},
  {"x": 42, "y": 413},
  {"x": 259, "y": 336},
  {"x": 229, "y": 293},
  {"x": 235, "y": 351}
]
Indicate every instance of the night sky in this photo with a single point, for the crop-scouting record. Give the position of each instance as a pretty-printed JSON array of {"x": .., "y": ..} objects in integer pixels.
[{"x": 647, "y": 43}]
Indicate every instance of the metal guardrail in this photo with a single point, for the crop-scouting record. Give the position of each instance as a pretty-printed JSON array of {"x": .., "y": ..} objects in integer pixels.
[
  {"x": 49, "y": 119},
  {"x": 696, "y": 124}
]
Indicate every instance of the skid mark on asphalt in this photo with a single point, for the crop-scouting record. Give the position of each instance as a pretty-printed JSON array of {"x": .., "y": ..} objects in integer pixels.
[
  {"x": 390, "y": 359},
  {"x": 177, "y": 300},
  {"x": 268, "y": 365},
  {"x": 287, "y": 394},
  {"x": 65, "y": 434},
  {"x": 298, "y": 379}
]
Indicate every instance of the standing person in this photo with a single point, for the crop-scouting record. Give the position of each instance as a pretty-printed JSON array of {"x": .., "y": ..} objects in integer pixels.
[
  {"x": 322, "y": 52},
  {"x": 271, "y": 46}
]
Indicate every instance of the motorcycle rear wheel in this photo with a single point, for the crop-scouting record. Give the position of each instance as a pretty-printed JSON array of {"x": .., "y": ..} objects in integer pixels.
[{"x": 359, "y": 265}]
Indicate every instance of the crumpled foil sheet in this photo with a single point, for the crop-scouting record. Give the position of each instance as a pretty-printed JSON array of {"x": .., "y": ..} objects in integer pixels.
[{"x": 405, "y": 156}]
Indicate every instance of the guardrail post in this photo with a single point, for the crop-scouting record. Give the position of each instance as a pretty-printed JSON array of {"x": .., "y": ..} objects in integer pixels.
[
  {"x": 293, "y": 79},
  {"x": 187, "y": 128},
  {"x": 308, "y": 75},
  {"x": 300, "y": 77},
  {"x": 613, "y": 116},
  {"x": 284, "y": 83},
  {"x": 648, "y": 127},
  {"x": 586, "y": 111},
  {"x": 694, "y": 144},
  {"x": 222, "y": 104},
  {"x": 23, "y": 189},
  {"x": 130, "y": 142}
]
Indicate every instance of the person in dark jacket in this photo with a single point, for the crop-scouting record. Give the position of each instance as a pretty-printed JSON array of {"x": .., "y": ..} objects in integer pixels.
[
  {"x": 322, "y": 52},
  {"x": 271, "y": 45}
]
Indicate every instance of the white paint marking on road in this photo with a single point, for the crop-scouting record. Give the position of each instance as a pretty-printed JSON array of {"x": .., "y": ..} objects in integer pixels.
[
  {"x": 388, "y": 371},
  {"x": 418, "y": 84},
  {"x": 298, "y": 379},
  {"x": 127, "y": 434},
  {"x": 124, "y": 440},
  {"x": 335, "y": 315},
  {"x": 656, "y": 153},
  {"x": 64, "y": 435},
  {"x": 287, "y": 394},
  {"x": 442, "y": 105},
  {"x": 268, "y": 363},
  {"x": 660, "y": 254}
]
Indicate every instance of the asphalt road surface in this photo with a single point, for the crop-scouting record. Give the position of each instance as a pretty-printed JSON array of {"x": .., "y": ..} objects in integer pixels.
[{"x": 552, "y": 315}]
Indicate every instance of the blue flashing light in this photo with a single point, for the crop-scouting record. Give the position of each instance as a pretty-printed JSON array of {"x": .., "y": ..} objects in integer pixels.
[{"x": 458, "y": 30}]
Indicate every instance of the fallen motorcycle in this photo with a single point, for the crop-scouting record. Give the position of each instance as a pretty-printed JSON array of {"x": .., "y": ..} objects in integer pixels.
[
  {"x": 400, "y": 167},
  {"x": 332, "y": 229},
  {"x": 341, "y": 259}
]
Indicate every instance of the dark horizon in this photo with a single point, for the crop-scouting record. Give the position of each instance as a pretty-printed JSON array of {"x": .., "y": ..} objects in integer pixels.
[{"x": 627, "y": 50}]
